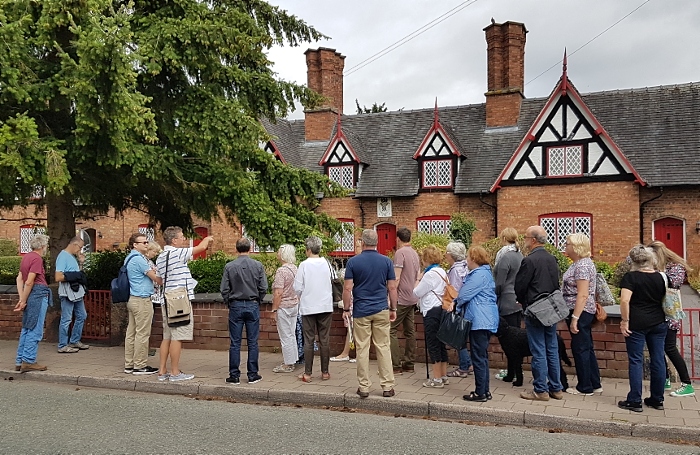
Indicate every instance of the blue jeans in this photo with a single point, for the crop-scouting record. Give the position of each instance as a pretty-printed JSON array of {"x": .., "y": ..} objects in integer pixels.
[
  {"x": 243, "y": 313},
  {"x": 465, "y": 360},
  {"x": 28, "y": 346},
  {"x": 545, "y": 356},
  {"x": 654, "y": 338},
  {"x": 67, "y": 310},
  {"x": 479, "y": 342},
  {"x": 587, "y": 371}
]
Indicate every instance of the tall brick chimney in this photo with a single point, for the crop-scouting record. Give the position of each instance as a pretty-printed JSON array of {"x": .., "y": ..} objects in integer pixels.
[
  {"x": 506, "y": 72},
  {"x": 324, "y": 76}
]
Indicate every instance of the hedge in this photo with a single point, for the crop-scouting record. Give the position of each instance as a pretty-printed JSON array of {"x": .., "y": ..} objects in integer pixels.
[{"x": 9, "y": 268}]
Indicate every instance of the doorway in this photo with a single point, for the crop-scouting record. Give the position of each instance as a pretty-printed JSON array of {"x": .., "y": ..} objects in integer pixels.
[
  {"x": 670, "y": 231},
  {"x": 387, "y": 238}
]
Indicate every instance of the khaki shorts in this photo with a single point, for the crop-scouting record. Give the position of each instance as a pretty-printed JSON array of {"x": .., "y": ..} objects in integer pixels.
[{"x": 182, "y": 333}]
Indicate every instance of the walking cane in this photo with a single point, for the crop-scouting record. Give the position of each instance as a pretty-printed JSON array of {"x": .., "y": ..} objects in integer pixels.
[{"x": 425, "y": 344}]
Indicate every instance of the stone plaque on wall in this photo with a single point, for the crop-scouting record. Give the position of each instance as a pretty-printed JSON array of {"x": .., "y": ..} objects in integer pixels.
[{"x": 383, "y": 207}]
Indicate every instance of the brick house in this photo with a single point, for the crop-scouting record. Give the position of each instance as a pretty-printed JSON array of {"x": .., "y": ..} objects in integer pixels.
[{"x": 619, "y": 165}]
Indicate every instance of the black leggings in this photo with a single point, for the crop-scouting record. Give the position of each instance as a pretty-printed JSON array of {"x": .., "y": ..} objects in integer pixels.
[
  {"x": 676, "y": 359},
  {"x": 431, "y": 325}
]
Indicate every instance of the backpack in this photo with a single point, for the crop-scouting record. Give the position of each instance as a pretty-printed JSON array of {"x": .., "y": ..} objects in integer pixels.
[
  {"x": 603, "y": 295},
  {"x": 120, "y": 285},
  {"x": 448, "y": 296}
]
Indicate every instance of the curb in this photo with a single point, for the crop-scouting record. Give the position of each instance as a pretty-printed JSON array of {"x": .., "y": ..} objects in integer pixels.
[{"x": 376, "y": 403}]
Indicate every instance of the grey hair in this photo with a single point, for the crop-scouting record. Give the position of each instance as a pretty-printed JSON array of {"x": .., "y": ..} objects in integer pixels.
[
  {"x": 642, "y": 258},
  {"x": 288, "y": 253},
  {"x": 38, "y": 242},
  {"x": 540, "y": 237},
  {"x": 369, "y": 237},
  {"x": 170, "y": 233},
  {"x": 313, "y": 244},
  {"x": 457, "y": 250}
]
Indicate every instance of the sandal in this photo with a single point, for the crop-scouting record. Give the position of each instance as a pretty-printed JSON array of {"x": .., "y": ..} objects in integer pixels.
[
  {"x": 305, "y": 378},
  {"x": 325, "y": 376}
]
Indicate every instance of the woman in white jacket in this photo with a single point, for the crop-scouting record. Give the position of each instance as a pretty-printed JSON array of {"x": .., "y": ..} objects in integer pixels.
[{"x": 429, "y": 289}]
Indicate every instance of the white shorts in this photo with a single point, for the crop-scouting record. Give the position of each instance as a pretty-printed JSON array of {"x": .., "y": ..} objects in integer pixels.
[{"x": 182, "y": 333}]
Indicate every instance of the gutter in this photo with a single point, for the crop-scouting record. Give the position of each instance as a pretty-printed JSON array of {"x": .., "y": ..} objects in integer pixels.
[
  {"x": 495, "y": 213},
  {"x": 641, "y": 214}
]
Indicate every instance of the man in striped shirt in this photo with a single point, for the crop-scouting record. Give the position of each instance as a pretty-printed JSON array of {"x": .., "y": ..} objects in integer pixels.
[{"x": 176, "y": 254}]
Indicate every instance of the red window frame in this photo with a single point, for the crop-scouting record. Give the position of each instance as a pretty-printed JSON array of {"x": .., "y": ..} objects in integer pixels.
[
  {"x": 565, "y": 174},
  {"x": 450, "y": 161},
  {"x": 445, "y": 219},
  {"x": 567, "y": 215}
]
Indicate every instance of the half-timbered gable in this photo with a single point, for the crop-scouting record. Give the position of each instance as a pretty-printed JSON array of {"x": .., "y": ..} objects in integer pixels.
[
  {"x": 340, "y": 161},
  {"x": 438, "y": 158},
  {"x": 566, "y": 141}
]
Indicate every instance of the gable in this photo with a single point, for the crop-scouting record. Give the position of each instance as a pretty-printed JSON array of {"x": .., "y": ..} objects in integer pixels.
[{"x": 566, "y": 141}]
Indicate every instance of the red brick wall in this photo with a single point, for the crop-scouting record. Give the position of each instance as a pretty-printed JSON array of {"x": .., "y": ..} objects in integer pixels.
[
  {"x": 613, "y": 206},
  {"x": 10, "y": 321},
  {"x": 682, "y": 203}
]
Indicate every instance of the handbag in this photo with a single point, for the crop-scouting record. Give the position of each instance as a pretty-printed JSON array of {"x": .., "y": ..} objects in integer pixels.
[
  {"x": 336, "y": 286},
  {"x": 177, "y": 305},
  {"x": 673, "y": 306},
  {"x": 600, "y": 313},
  {"x": 448, "y": 296},
  {"x": 454, "y": 330},
  {"x": 548, "y": 309},
  {"x": 603, "y": 294}
]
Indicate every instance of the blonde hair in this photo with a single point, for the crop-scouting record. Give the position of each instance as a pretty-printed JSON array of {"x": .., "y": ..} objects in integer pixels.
[
  {"x": 431, "y": 255},
  {"x": 665, "y": 256},
  {"x": 153, "y": 247},
  {"x": 510, "y": 235},
  {"x": 581, "y": 244},
  {"x": 288, "y": 253},
  {"x": 479, "y": 255}
]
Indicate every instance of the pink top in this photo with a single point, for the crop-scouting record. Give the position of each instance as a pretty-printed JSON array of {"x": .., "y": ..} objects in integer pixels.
[{"x": 284, "y": 279}]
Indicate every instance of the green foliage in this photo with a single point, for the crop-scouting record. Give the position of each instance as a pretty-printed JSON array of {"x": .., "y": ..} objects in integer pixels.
[
  {"x": 8, "y": 247},
  {"x": 9, "y": 268},
  {"x": 420, "y": 240},
  {"x": 694, "y": 278},
  {"x": 462, "y": 228},
  {"x": 102, "y": 267},
  {"x": 563, "y": 262},
  {"x": 153, "y": 106},
  {"x": 606, "y": 269},
  {"x": 620, "y": 269},
  {"x": 208, "y": 272},
  {"x": 376, "y": 108}
]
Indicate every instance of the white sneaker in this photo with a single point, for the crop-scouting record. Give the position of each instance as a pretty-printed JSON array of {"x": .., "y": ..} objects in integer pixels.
[
  {"x": 180, "y": 377},
  {"x": 434, "y": 383}
]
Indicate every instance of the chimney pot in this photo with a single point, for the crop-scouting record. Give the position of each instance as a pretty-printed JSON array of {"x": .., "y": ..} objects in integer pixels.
[{"x": 325, "y": 77}]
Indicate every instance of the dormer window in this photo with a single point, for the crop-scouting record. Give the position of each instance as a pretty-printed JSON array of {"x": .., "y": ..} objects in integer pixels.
[
  {"x": 565, "y": 161},
  {"x": 437, "y": 157},
  {"x": 343, "y": 175},
  {"x": 340, "y": 162}
]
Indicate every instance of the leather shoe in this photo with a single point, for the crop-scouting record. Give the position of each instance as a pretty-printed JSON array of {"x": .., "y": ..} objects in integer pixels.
[
  {"x": 31, "y": 367},
  {"x": 362, "y": 394},
  {"x": 388, "y": 393},
  {"x": 558, "y": 395}
]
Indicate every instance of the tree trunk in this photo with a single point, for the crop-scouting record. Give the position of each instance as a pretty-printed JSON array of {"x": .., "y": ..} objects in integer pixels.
[{"x": 60, "y": 225}]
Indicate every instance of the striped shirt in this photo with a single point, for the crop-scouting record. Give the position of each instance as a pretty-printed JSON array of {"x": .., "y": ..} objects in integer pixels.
[{"x": 178, "y": 274}]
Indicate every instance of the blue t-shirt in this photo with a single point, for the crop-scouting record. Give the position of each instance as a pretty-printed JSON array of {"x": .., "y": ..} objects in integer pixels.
[
  {"x": 66, "y": 262},
  {"x": 140, "y": 285},
  {"x": 369, "y": 272}
]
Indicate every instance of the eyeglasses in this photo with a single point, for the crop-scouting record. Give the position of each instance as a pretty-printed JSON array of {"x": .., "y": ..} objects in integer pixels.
[{"x": 145, "y": 242}]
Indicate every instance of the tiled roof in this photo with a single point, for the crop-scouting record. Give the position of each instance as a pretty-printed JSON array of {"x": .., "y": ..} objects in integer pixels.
[{"x": 658, "y": 130}]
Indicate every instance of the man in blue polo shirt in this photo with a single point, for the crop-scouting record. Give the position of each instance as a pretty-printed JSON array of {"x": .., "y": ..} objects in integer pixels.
[
  {"x": 71, "y": 290},
  {"x": 141, "y": 279},
  {"x": 369, "y": 277}
]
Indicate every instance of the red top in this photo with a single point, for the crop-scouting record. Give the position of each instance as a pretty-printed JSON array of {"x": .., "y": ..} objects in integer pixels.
[{"x": 32, "y": 262}]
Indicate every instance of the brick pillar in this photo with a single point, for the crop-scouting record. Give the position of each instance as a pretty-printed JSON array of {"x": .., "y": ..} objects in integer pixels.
[
  {"x": 325, "y": 77},
  {"x": 506, "y": 73}
]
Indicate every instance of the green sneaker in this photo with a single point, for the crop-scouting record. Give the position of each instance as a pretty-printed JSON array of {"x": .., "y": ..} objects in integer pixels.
[
  {"x": 501, "y": 374},
  {"x": 685, "y": 390},
  {"x": 667, "y": 386}
]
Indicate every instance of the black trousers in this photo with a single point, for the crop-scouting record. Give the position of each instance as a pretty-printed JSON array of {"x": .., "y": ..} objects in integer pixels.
[{"x": 676, "y": 359}]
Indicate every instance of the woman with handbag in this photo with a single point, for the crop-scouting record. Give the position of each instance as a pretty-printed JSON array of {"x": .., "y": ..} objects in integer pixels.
[
  {"x": 477, "y": 302},
  {"x": 676, "y": 270},
  {"x": 456, "y": 258},
  {"x": 579, "y": 286},
  {"x": 285, "y": 305},
  {"x": 429, "y": 289},
  {"x": 642, "y": 321}
]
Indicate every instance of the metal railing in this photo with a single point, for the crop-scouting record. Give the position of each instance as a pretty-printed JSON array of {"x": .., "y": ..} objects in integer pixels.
[
  {"x": 689, "y": 342},
  {"x": 98, "y": 325}
]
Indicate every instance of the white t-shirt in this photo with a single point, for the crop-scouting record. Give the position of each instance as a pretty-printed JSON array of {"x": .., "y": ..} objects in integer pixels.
[
  {"x": 178, "y": 273},
  {"x": 431, "y": 284},
  {"x": 313, "y": 285}
]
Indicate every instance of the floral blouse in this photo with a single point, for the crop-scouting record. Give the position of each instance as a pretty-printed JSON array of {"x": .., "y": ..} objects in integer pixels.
[
  {"x": 676, "y": 277},
  {"x": 583, "y": 269},
  {"x": 284, "y": 279}
]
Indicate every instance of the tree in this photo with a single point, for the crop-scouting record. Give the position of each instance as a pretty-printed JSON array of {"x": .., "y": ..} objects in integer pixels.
[
  {"x": 373, "y": 110},
  {"x": 152, "y": 106}
]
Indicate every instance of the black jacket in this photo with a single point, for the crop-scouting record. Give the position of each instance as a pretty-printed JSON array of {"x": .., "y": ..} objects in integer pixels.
[
  {"x": 76, "y": 279},
  {"x": 538, "y": 274}
]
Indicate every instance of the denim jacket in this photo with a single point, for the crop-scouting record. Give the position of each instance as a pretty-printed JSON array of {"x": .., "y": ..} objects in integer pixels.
[{"x": 478, "y": 297}]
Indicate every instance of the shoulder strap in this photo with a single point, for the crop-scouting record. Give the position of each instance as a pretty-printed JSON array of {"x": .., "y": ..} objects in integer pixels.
[
  {"x": 165, "y": 274},
  {"x": 127, "y": 263}
]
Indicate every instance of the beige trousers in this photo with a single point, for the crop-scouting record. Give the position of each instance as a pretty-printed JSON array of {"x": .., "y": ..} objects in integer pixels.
[
  {"x": 138, "y": 331},
  {"x": 376, "y": 328}
]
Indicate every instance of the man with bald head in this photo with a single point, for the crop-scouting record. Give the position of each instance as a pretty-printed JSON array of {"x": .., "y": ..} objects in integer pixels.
[
  {"x": 539, "y": 275},
  {"x": 369, "y": 280}
]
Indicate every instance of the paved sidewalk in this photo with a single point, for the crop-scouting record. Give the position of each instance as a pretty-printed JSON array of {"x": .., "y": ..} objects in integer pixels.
[{"x": 103, "y": 367}]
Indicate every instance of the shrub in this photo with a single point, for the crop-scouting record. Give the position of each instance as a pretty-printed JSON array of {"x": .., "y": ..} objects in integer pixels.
[
  {"x": 462, "y": 229},
  {"x": 9, "y": 268},
  {"x": 606, "y": 269},
  {"x": 694, "y": 278},
  {"x": 420, "y": 240},
  {"x": 102, "y": 267},
  {"x": 208, "y": 272},
  {"x": 8, "y": 247},
  {"x": 562, "y": 261}
]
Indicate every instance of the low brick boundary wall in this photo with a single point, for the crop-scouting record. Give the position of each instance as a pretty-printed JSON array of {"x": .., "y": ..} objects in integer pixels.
[{"x": 211, "y": 332}]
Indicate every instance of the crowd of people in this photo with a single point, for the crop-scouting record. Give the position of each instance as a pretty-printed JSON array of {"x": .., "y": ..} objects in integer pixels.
[{"x": 380, "y": 297}]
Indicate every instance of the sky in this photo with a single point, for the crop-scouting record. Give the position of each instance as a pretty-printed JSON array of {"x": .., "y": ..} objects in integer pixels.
[{"x": 655, "y": 45}]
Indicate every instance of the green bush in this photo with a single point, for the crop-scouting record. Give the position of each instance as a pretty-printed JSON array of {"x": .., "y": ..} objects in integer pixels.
[
  {"x": 694, "y": 278},
  {"x": 9, "y": 268},
  {"x": 606, "y": 269},
  {"x": 619, "y": 271},
  {"x": 102, "y": 267},
  {"x": 562, "y": 261},
  {"x": 462, "y": 229},
  {"x": 8, "y": 247},
  {"x": 209, "y": 271}
]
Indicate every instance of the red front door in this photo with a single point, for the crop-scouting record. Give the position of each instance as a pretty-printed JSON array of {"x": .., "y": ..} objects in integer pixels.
[
  {"x": 670, "y": 232},
  {"x": 387, "y": 238},
  {"x": 201, "y": 233}
]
